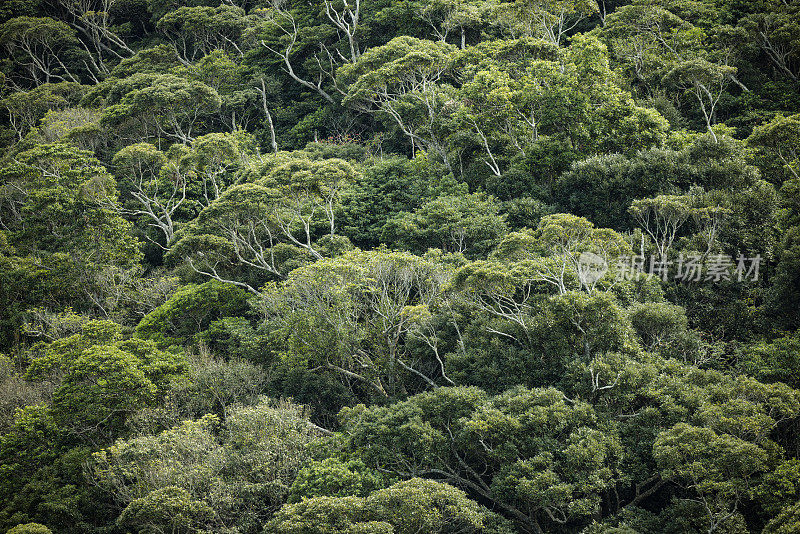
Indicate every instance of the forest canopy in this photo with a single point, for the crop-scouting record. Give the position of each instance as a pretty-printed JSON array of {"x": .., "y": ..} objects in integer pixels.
[{"x": 400, "y": 266}]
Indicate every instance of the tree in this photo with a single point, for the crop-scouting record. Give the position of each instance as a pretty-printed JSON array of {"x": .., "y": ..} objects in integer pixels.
[
  {"x": 30, "y": 528},
  {"x": 469, "y": 224},
  {"x": 158, "y": 189},
  {"x": 76, "y": 126},
  {"x": 100, "y": 388},
  {"x": 94, "y": 19},
  {"x": 781, "y": 137},
  {"x": 191, "y": 310},
  {"x": 210, "y": 385},
  {"x": 489, "y": 221},
  {"x": 617, "y": 123},
  {"x": 385, "y": 188},
  {"x": 540, "y": 460},
  {"x": 785, "y": 522},
  {"x": 601, "y": 188},
  {"x": 401, "y": 80},
  {"x": 561, "y": 250},
  {"x": 46, "y": 50},
  {"x": 214, "y": 158},
  {"x": 551, "y": 20},
  {"x": 346, "y": 19},
  {"x": 186, "y": 456},
  {"x": 659, "y": 324},
  {"x": 445, "y": 16},
  {"x": 325, "y": 514},
  {"x": 172, "y": 106},
  {"x": 510, "y": 104},
  {"x": 647, "y": 38},
  {"x": 62, "y": 238},
  {"x": 777, "y": 33},
  {"x": 280, "y": 33},
  {"x": 158, "y": 59},
  {"x": 661, "y": 217},
  {"x": 706, "y": 81},
  {"x": 103, "y": 378},
  {"x": 278, "y": 218},
  {"x": 716, "y": 467},
  {"x": 169, "y": 509},
  {"x": 420, "y": 505},
  {"x": 26, "y": 109},
  {"x": 352, "y": 316},
  {"x": 196, "y": 31},
  {"x": 772, "y": 362},
  {"x": 332, "y": 477},
  {"x": 718, "y": 428},
  {"x": 189, "y": 473},
  {"x": 664, "y": 49},
  {"x": 415, "y": 505}
]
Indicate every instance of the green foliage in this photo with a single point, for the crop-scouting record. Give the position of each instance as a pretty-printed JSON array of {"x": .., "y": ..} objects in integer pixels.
[
  {"x": 602, "y": 187},
  {"x": 717, "y": 467},
  {"x": 355, "y": 316},
  {"x": 190, "y": 311},
  {"x": 196, "y": 31},
  {"x": 772, "y": 362},
  {"x": 158, "y": 59},
  {"x": 170, "y": 507},
  {"x": 786, "y": 521},
  {"x": 333, "y": 478},
  {"x": 161, "y": 105},
  {"x": 30, "y": 528},
  {"x": 398, "y": 80},
  {"x": 206, "y": 471},
  {"x": 779, "y": 137},
  {"x": 530, "y": 453},
  {"x": 271, "y": 225},
  {"x": 57, "y": 205},
  {"x": 25, "y": 109},
  {"x": 662, "y": 327},
  {"x": 103, "y": 378},
  {"x": 59, "y": 239},
  {"x": 384, "y": 189},
  {"x": 413, "y": 222},
  {"x": 415, "y": 505},
  {"x": 43, "y": 50},
  {"x": 469, "y": 224}
]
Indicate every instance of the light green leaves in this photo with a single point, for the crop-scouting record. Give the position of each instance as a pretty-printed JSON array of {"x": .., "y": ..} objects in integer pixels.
[{"x": 532, "y": 453}]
